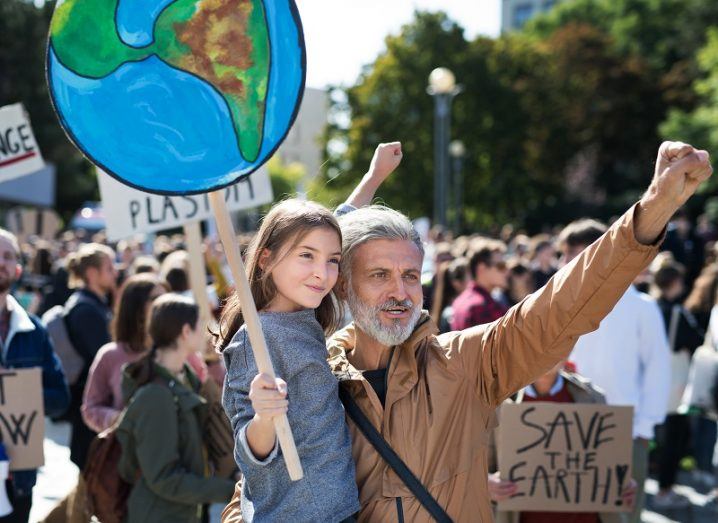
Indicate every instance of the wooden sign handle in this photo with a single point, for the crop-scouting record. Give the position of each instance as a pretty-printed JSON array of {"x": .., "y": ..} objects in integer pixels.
[
  {"x": 254, "y": 329},
  {"x": 198, "y": 281}
]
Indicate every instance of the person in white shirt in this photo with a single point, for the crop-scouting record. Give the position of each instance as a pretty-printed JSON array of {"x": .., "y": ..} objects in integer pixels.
[{"x": 627, "y": 356}]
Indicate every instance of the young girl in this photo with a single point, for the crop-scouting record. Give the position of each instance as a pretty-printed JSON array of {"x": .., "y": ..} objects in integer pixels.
[
  {"x": 163, "y": 454},
  {"x": 292, "y": 266}
]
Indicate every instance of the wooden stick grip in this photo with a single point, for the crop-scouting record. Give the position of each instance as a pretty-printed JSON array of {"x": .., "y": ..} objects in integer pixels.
[{"x": 254, "y": 329}]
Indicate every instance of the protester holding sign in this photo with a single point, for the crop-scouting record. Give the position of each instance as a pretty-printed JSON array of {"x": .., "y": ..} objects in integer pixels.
[
  {"x": 556, "y": 386},
  {"x": 435, "y": 404},
  {"x": 25, "y": 344},
  {"x": 293, "y": 265}
]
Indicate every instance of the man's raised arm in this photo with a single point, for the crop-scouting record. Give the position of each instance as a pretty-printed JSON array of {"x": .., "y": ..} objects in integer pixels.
[{"x": 537, "y": 333}]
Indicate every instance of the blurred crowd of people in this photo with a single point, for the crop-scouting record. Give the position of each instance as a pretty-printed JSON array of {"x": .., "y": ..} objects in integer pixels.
[{"x": 658, "y": 344}]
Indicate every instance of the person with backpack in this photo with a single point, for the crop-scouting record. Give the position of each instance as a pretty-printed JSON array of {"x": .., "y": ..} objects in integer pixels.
[
  {"x": 24, "y": 343},
  {"x": 87, "y": 318},
  {"x": 160, "y": 431}
]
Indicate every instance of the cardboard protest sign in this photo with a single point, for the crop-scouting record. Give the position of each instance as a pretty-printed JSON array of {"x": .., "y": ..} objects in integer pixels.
[
  {"x": 565, "y": 457},
  {"x": 129, "y": 211},
  {"x": 19, "y": 153},
  {"x": 24, "y": 222},
  {"x": 22, "y": 417}
]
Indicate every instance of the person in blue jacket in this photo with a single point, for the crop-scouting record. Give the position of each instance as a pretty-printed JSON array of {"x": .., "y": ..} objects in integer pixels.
[{"x": 24, "y": 343}]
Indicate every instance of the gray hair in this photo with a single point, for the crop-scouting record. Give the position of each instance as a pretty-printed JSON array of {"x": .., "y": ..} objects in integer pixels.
[{"x": 375, "y": 222}]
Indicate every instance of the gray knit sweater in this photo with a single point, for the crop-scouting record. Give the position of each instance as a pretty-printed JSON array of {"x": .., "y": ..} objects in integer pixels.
[{"x": 328, "y": 490}]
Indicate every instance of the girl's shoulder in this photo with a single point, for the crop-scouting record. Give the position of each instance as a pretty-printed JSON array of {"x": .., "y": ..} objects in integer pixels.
[{"x": 150, "y": 397}]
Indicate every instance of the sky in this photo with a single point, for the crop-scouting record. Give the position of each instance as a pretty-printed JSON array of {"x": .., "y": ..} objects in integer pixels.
[{"x": 343, "y": 35}]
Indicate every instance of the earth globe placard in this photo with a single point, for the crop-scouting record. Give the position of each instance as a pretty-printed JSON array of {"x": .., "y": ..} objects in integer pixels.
[{"x": 176, "y": 96}]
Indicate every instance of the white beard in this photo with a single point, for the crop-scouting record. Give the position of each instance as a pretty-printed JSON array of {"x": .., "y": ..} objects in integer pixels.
[{"x": 367, "y": 319}]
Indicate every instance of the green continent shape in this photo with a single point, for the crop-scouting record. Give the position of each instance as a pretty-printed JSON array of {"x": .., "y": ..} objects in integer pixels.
[
  {"x": 227, "y": 44},
  {"x": 84, "y": 37},
  {"x": 224, "y": 42}
]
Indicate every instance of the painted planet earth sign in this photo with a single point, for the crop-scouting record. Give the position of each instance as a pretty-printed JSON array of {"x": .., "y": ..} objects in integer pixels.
[{"x": 176, "y": 96}]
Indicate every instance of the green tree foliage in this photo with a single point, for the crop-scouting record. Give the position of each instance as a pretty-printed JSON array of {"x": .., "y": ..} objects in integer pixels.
[
  {"x": 286, "y": 178},
  {"x": 699, "y": 125},
  {"x": 559, "y": 120},
  {"x": 23, "y": 31}
]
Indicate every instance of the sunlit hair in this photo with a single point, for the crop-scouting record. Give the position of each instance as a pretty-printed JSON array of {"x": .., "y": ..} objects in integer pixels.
[
  {"x": 374, "y": 222},
  {"x": 282, "y": 229},
  {"x": 88, "y": 255},
  {"x": 129, "y": 325}
]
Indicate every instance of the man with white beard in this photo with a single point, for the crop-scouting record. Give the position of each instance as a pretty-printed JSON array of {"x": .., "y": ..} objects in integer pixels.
[{"x": 433, "y": 398}]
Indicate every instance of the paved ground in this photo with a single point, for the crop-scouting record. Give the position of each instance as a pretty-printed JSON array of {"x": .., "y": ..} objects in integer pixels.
[{"x": 59, "y": 476}]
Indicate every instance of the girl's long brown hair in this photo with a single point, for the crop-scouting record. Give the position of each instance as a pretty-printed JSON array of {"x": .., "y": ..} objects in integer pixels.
[
  {"x": 286, "y": 224},
  {"x": 129, "y": 325}
]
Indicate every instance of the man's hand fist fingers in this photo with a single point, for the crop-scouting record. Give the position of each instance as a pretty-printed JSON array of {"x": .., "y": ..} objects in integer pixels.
[
  {"x": 674, "y": 150},
  {"x": 691, "y": 163}
]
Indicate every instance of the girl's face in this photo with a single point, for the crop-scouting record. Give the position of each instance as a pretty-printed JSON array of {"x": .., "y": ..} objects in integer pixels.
[{"x": 307, "y": 273}]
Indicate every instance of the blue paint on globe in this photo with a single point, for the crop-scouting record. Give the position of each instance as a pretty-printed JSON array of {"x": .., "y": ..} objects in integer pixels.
[
  {"x": 135, "y": 20},
  {"x": 163, "y": 130}
]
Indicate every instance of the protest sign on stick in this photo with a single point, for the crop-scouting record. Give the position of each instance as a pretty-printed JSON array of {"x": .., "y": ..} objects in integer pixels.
[
  {"x": 22, "y": 417},
  {"x": 565, "y": 457},
  {"x": 188, "y": 104},
  {"x": 19, "y": 153},
  {"x": 198, "y": 279},
  {"x": 130, "y": 211}
]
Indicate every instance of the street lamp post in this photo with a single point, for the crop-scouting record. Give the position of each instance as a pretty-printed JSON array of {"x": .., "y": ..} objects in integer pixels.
[
  {"x": 443, "y": 88},
  {"x": 457, "y": 151}
]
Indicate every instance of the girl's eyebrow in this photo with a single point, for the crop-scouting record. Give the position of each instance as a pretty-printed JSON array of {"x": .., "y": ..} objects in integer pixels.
[{"x": 307, "y": 247}]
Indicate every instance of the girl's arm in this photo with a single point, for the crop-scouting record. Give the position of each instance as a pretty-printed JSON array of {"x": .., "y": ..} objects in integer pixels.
[
  {"x": 269, "y": 400},
  {"x": 97, "y": 410},
  {"x": 387, "y": 157}
]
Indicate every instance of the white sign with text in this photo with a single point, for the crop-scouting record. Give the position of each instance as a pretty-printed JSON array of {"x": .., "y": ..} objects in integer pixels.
[
  {"x": 129, "y": 211},
  {"x": 19, "y": 152}
]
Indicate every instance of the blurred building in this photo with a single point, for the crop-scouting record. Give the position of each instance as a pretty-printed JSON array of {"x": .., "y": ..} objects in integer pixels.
[
  {"x": 515, "y": 13},
  {"x": 303, "y": 143}
]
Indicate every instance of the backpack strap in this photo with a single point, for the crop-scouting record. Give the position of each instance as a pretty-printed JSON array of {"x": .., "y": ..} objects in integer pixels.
[{"x": 391, "y": 457}]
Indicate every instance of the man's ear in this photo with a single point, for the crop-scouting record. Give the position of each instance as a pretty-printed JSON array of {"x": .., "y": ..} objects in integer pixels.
[
  {"x": 264, "y": 258},
  {"x": 340, "y": 289},
  {"x": 18, "y": 271}
]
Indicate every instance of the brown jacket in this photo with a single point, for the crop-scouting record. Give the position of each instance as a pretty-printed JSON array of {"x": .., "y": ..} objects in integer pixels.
[{"x": 443, "y": 390}]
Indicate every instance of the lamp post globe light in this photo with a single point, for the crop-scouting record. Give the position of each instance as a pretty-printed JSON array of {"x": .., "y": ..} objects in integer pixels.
[
  {"x": 457, "y": 151},
  {"x": 443, "y": 88}
]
